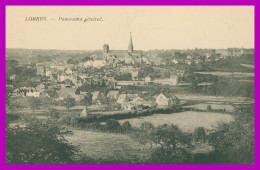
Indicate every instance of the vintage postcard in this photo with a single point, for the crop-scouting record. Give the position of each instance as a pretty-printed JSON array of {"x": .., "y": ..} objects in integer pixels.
[{"x": 130, "y": 84}]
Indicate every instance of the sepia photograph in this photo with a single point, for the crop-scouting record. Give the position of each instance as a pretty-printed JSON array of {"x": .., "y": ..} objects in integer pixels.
[{"x": 130, "y": 84}]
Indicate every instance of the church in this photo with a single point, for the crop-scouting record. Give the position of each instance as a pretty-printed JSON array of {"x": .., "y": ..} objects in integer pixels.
[{"x": 130, "y": 56}]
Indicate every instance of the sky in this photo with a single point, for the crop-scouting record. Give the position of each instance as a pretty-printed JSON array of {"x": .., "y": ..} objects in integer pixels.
[{"x": 152, "y": 27}]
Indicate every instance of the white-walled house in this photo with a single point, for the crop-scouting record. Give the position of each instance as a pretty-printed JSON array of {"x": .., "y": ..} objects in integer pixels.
[
  {"x": 33, "y": 94},
  {"x": 164, "y": 100},
  {"x": 172, "y": 81},
  {"x": 147, "y": 79}
]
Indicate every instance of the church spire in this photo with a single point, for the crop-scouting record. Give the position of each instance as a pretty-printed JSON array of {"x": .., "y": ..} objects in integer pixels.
[{"x": 130, "y": 45}]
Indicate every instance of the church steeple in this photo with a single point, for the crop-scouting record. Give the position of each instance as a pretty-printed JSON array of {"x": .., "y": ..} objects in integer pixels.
[{"x": 130, "y": 45}]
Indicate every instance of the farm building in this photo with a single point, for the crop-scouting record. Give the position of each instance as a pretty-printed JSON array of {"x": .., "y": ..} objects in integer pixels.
[
  {"x": 165, "y": 100},
  {"x": 113, "y": 94},
  {"x": 123, "y": 98}
]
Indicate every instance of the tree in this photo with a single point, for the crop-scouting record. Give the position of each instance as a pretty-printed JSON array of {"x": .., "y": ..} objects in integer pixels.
[
  {"x": 53, "y": 94},
  {"x": 69, "y": 102},
  {"x": 34, "y": 103},
  {"x": 87, "y": 99},
  {"x": 234, "y": 142},
  {"x": 41, "y": 141},
  {"x": 112, "y": 125},
  {"x": 126, "y": 126},
  {"x": 86, "y": 59},
  {"x": 72, "y": 61},
  {"x": 173, "y": 145}
]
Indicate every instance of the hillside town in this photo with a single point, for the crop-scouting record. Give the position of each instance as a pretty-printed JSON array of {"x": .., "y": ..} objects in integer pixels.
[
  {"x": 135, "y": 85},
  {"x": 122, "y": 79}
]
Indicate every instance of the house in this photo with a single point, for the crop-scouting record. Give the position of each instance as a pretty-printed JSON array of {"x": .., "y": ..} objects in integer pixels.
[
  {"x": 48, "y": 71},
  {"x": 132, "y": 96},
  {"x": 147, "y": 79},
  {"x": 12, "y": 77},
  {"x": 137, "y": 101},
  {"x": 127, "y": 106},
  {"x": 130, "y": 83},
  {"x": 68, "y": 71},
  {"x": 33, "y": 94},
  {"x": 146, "y": 61},
  {"x": 172, "y": 81},
  {"x": 123, "y": 98},
  {"x": 175, "y": 61},
  {"x": 165, "y": 100},
  {"x": 88, "y": 63},
  {"x": 129, "y": 60},
  {"x": 113, "y": 95},
  {"x": 41, "y": 70},
  {"x": 40, "y": 87},
  {"x": 35, "y": 79},
  {"x": 95, "y": 95},
  {"x": 134, "y": 75},
  {"x": 98, "y": 63},
  {"x": 188, "y": 62},
  {"x": 44, "y": 95}
]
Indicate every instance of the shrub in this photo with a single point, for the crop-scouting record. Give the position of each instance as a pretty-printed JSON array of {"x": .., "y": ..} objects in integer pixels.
[
  {"x": 12, "y": 117},
  {"x": 199, "y": 134},
  {"x": 54, "y": 113},
  {"x": 146, "y": 126},
  {"x": 209, "y": 108},
  {"x": 112, "y": 125},
  {"x": 126, "y": 126},
  {"x": 94, "y": 126},
  {"x": 66, "y": 120},
  {"x": 82, "y": 125}
]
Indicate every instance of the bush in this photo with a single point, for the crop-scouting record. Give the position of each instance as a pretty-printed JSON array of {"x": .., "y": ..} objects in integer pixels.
[
  {"x": 146, "y": 126},
  {"x": 112, "y": 125},
  {"x": 209, "y": 108},
  {"x": 54, "y": 113},
  {"x": 94, "y": 126},
  {"x": 82, "y": 125},
  {"x": 66, "y": 120},
  {"x": 12, "y": 117},
  {"x": 126, "y": 126},
  {"x": 200, "y": 134}
]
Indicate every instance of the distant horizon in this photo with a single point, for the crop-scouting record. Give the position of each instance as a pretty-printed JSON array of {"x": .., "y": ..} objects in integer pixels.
[
  {"x": 152, "y": 27},
  {"x": 126, "y": 49}
]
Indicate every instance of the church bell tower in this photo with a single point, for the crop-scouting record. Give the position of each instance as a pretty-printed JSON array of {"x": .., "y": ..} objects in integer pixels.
[{"x": 130, "y": 45}]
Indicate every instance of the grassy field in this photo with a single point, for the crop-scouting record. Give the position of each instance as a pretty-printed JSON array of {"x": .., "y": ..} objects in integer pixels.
[
  {"x": 233, "y": 74},
  {"x": 108, "y": 146},
  {"x": 207, "y": 98},
  {"x": 187, "y": 121},
  {"x": 203, "y": 106}
]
